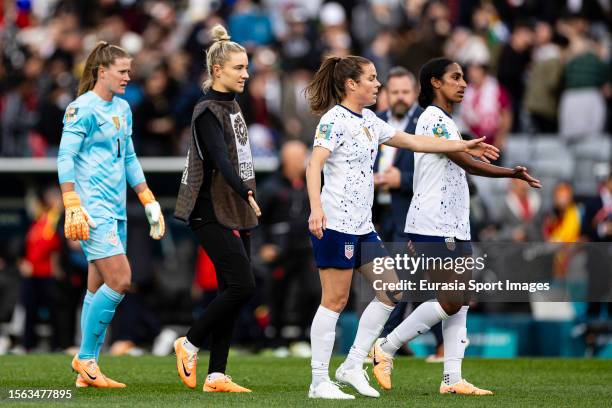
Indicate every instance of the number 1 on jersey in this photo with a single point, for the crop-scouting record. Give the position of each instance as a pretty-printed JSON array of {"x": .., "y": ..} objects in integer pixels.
[{"x": 118, "y": 148}]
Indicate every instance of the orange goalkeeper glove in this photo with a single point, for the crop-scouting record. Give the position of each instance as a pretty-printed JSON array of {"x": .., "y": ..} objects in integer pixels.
[
  {"x": 78, "y": 220},
  {"x": 154, "y": 214}
]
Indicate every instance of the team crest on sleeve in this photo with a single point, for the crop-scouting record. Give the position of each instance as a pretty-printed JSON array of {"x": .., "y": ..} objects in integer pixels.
[
  {"x": 71, "y": 113},
  {"x": 349, "y": 250},
  {"x": 324, "y": 131},
  {"x": 440, "y": 130}
]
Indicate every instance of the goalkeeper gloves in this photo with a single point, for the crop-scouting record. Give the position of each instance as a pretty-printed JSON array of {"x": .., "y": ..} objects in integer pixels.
[
  {"x": 78, "y": 221},
  {"x": 154, "y": 214}
]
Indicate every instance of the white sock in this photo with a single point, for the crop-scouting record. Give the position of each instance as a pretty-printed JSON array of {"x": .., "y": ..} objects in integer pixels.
[
  {"x": 322, "y": 336},
  {"x": 454, "y": 331},
  {"x": 418, "y": 322},
  {"x": 214, "y": 376},
  {"x": 371, "y": 324},
  {"x": 190, "y": 347}
]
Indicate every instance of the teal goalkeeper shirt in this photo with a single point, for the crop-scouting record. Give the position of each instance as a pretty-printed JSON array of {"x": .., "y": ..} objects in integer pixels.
[{"x": 97, "y": 154}]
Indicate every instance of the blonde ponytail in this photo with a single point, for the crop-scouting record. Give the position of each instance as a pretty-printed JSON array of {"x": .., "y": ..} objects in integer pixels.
[{"x": 218, "y": 53}]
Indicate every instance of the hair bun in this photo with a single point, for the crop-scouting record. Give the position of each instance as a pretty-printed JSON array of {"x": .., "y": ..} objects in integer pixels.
[{"x": 219, "y": 33}]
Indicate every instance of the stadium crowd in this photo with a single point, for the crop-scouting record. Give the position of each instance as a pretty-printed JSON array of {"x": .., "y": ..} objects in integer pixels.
[{"x": 534, "y": 67}]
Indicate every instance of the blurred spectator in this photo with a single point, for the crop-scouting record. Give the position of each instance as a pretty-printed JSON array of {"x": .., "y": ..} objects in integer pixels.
[
  {"x": 563, "y": 223},
  {"x": 40, "y": 267},
  {"x": 335, "y": 37},
  {"x": 19, "y": 116},
  {"x": 50, "y": 116},
  {"x": 299, "y": 48},
  {"x": 513, "y": 61},
  {"x": 250, "y": 26},
  {"x": 544, "y": 79},
  {"x": 373, "y": 17},
  {"x": 582, "y": 108},
  {"x": 425, "y": 40},
  {"x": 521, "y": 214},
  {"x": 486, "y": 109},
  {"x": 380, "y": 53},
  {"x": 297, "y": 118},
  {"x": 155, "y": 124},
  {"x": 286, "y": 249},
  {"x": 598, "y": 217}
]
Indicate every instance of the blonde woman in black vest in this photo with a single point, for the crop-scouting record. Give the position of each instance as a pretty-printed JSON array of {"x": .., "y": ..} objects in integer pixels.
[{"x": 216, "y": 199}]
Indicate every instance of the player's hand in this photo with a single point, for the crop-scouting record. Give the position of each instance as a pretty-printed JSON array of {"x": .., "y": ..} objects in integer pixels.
[
  {"x": 520, "y": 172},
  {"x": 77, "y": 220},
  {"x": 317, "y": 222},
  {"x": 479, "y": 149},
  {"x": 154, "y": 214},
  {"x": 253, "y": 204}
]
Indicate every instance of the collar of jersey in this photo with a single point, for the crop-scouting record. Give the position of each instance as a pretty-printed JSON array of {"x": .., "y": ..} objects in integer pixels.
[
  {"x": 354, "y": 113},
  {"x": 446, "y": 113},
  {"x": 100, "y": 100}
]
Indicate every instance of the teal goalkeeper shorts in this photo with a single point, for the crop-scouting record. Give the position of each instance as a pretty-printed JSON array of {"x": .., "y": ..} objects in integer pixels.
[{"x": 108, "y": 238}]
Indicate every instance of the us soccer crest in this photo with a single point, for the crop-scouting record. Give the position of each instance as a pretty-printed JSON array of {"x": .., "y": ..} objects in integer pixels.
[
  {"x": 349, "y": 250},
  {"x": 116, "y": 122}
]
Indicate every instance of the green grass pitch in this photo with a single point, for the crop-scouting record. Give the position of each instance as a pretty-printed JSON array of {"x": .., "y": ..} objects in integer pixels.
[{"x": 153, "y": 382}]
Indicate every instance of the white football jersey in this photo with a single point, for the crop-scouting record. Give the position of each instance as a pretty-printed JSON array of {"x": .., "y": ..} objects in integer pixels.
[
  {"x": 441, "y": 202},
  {"x": 348, "y": 190}
]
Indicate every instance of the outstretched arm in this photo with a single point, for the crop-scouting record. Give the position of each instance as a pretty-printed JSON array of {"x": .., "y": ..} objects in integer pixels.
[
  {"x": 479, "y": 168},
  {"x": 426, "y": 144}
]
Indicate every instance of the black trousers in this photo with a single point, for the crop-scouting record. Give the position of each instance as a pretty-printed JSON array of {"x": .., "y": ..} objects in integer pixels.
[{"x": 230, "y": 252}]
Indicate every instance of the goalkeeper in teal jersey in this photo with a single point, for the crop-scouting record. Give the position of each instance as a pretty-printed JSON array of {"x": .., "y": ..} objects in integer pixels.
[{"x": 96, "y": 157}]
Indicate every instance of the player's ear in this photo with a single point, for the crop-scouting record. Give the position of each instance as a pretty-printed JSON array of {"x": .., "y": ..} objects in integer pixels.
[
  {"x": 436, "y": 83},
  {"x": 350, "y": 84},
  {"x": 216, "y": 71},
  {"x": 101, "y": 72}
]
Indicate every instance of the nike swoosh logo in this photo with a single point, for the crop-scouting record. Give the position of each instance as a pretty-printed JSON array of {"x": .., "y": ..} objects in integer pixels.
[
  {"x": 211, "y": 387},
  {"x": 93, "y": 378},
  {"x": 187, "y": 374},
  {"x": 463, "y": 341}
]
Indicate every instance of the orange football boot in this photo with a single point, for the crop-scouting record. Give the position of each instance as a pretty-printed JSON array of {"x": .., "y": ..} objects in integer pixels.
[
  {"x": 382, "y": 366},
  {"x": 464, "y": 388},
  {"x": 90, "y": 372},
  {"x": 223, "y": 384},
  {"x": 185, "y": 363},
  {"x": 80, "y": 383}
]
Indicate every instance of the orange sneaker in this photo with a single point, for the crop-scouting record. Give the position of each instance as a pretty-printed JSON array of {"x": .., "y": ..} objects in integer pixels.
[
  {"x": 223, "y": 384},
  {"x": 383, "y": 365},
  {"x": 89, "y": 371},
  {"x": 185, "y": 363},
  {"x": 464, "y": 388},
  {"x": 80, "y": 383}
]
